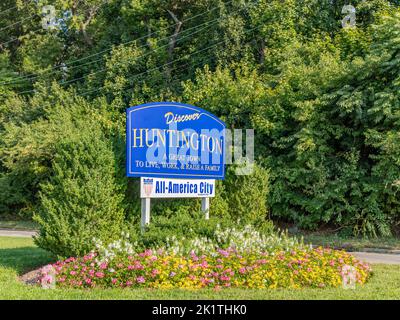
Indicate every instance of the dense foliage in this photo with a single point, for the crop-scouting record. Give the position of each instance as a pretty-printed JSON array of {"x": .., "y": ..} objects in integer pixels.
[
  {"x": 81, "y": 198},
  {"x": 323, "y": 101}
]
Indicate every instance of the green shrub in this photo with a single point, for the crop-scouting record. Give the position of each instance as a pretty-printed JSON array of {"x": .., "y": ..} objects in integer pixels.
[
  {"x": 188, "y": 225},
  {"x": 30, "y": 130},
  {"x": 339, "y": 162},
  {"x": 81, "y": 200},
  {"x": 246, "y": 195}
]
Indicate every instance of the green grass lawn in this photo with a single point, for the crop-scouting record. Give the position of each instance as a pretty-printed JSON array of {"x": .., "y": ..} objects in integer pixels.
[{"x": 18, "y": 255}]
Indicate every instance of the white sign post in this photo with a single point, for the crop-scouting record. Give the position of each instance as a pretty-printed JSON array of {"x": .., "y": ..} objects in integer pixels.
[{"x": 174, "y": 188}]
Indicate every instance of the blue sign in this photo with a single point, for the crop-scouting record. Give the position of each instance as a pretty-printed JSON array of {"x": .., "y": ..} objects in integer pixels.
[{"x": 174, "y": 140}]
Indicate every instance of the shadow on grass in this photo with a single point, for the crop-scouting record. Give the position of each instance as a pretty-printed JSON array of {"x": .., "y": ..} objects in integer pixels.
[{"x": 24, "y": 259}]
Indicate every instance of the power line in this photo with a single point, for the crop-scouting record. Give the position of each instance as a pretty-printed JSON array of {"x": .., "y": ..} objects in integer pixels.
[
  {"x": 171, "y": 62},
  {"x": 123, "y": 43},
  {"x": 166, "y": 64},
  {"x": 146, "y": 36},
  {"x": 105, "y": 69},
  {"x": 6, "y": 10},
  {"x": 151, "y": 77},
  {"x": 22, "y": 20},
  {"x": 49, "y": 72},
  {"x": 141, "y": 56},
  {"x": 97, "y": 60},
  {"x": 18, "y": 22},
  {"x": 17, "y": 38}
]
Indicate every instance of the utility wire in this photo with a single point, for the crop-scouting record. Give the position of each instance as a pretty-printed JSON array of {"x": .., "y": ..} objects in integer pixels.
[
  {"x": 62, "y": 83},
  {"x": 171, "y": 62},
  {"x": 49, "y": 72},
  {"x": 18, "y": 22},
  {"x": 109, "y": 49},
  {"x": 177, "y": 68},
  {"x": 105, "y": 69},
  {"x": 164, "y": 65},
  {"x": 6, "y": 10},
  {"x": 17, "y": 38}
]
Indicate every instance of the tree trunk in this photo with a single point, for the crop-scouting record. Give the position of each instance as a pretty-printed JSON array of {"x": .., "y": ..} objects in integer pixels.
[{"x": 172, "y": 42}]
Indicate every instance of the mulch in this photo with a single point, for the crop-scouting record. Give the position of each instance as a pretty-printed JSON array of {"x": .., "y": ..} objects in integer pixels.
[{"x": 30, "y": 278}]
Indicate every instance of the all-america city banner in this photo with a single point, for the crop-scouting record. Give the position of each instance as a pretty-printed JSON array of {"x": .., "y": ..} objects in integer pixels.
[
  {"x": 174, "y": 140},
  {"x": 176, "y": 188}
]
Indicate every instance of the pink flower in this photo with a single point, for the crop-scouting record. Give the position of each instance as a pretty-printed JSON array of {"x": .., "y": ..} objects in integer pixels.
[
  {"x": 88, "y": 257},
  {"x": 72, "y": 273},
  {"x": 140, "y": 279},
  {"x": 88, "y": 281},
  {"x": 296, "y": 272},
  {"x": 148, "y": 253},
  {"x": 194, "y": 256},
  {"x": 103, "y": 266},
  {"x": 113, "y": 280},
  {"x": 242, "y": 270},
  {"x": 99, "y": 274},
  {"x": 129, "y": 283},
  {"x": 223, "y": 252},
  {"x": 47, "y": 279},
  {"x": 225, "y": 278},
  {"x": 137, "y": 265}
]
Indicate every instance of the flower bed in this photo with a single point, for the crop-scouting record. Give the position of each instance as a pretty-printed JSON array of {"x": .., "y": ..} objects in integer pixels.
[{"x": 218, "y": 268}]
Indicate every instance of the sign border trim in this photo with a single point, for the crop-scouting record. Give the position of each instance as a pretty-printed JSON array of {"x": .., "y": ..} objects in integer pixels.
[{"x": 165, "y": 104}]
